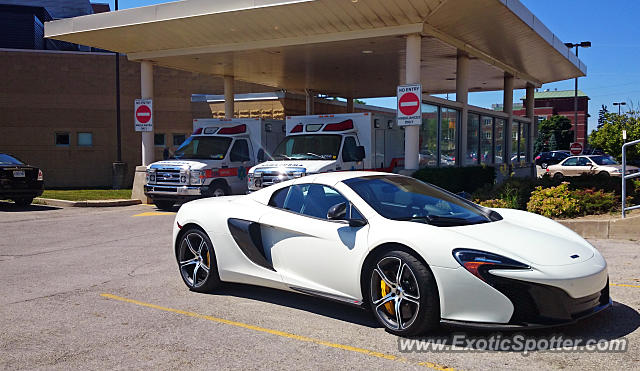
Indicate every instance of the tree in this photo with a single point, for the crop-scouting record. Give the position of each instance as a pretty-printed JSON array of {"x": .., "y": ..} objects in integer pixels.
[
  {"x": 557, "y": 128},
  {"x": 601, "y": 115},
  {"x": 608, "y": 137}
]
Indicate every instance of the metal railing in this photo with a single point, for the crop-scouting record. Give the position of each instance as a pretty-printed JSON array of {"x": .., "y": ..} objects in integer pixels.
[{"x": 625, "y": 177}]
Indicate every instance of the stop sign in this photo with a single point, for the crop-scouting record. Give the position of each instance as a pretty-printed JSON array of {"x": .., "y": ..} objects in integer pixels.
[
  {"x": 143, "y": 114},
  {"x": 576, "y": 148},
  {"x": 409, "y": 104}
]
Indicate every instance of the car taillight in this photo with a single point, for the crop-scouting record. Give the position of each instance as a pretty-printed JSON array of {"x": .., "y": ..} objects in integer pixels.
[
  {"x": 537, "y": 157},
  {"x": 40, "y": 176},
  {"x": 479, "y": 263}
]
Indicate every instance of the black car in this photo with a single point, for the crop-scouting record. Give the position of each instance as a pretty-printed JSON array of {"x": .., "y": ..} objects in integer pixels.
[
  {"x": 19, "y": 182},
  {"x": 545, "y": 159}
]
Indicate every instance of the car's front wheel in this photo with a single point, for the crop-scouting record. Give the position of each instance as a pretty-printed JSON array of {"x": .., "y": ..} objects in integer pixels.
[
  {"x": 403, "y": 294},
  {"x": 164, "y": 205},
  {"x": 197, "y": 261},
  {"x": 23, "y": 201}
]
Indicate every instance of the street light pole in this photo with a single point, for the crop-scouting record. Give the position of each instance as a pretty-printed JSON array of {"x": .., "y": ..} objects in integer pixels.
[
  {"x": 624, "y": 129},
  {"x": 584, "y": 44},
  {"x": 619, "y": 104}
]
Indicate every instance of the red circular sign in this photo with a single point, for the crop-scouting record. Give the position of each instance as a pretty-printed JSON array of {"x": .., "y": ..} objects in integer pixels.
[
  {"x": 576, "y": 148},
  {"x": 409, "y": 104},
  {"x": 143, "y": 114}
]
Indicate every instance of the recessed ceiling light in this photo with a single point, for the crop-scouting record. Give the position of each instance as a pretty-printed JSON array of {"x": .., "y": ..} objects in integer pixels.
[{"x": 367, "y": 52}]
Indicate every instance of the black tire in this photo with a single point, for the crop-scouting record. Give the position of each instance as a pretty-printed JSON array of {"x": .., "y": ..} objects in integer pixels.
[
  {"x": 197, "y": 265},
  {"x": 164, "y": 205},
  {"x": 23, "y": 201},
  {"x": 604, "y": 174},
  {"x": 558, "y": 176},
  {"x": 544, "y": 165},
  {"x": 417, "y": 295},
  {"x": 219, "y": 190}
]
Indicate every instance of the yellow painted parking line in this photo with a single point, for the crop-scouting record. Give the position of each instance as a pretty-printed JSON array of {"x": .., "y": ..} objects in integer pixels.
[
  {"x": 279, "y": 333},
  {"x": 152, "y": 213},
  {"x": 623, "y": 285}
]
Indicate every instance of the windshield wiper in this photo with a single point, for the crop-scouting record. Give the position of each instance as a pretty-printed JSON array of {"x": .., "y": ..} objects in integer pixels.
[
  {"x": 283, "y": 156},
  {"x": 440, "y": 220}
]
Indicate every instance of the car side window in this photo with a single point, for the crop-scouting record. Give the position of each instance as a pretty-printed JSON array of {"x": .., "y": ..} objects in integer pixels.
[
  {"x": 349, "y": 149},
  {"x": 571, "y": 162},
  {"x": 240, "y": 151},
  {"x": 583, "y": 161},
  {"x": 312, "y": 200}
]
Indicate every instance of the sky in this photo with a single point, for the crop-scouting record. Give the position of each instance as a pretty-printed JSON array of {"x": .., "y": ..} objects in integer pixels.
[{"x": 613, "y": 61}]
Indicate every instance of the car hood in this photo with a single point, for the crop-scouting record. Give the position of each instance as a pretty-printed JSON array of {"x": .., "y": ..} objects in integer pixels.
[
  {"x": 530, "y": 238},
  {"x": 182, "y": 164},
  {"x": 310, "y": 166}
]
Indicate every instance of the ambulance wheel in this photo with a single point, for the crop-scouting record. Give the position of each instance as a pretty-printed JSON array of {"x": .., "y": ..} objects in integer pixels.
[{"x": 164, "y": 205}]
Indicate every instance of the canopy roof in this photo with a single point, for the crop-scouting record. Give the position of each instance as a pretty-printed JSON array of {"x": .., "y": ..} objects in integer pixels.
[{"x": 349, "y": 48}]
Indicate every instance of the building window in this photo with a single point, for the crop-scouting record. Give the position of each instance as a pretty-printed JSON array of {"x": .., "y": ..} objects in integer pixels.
[
  {"x": 158, "y": 140},
  {"x": 499, "y": 143},
  {"x": 473, "y": 140},
  {"x": 448, "y": 125},
  {"x": 524, "y": 142},
  {"x": 85, "y": 139},
  {"x": 515, "y": 143},
  {"x": 429, "y": 136},
  {"x": 178, "y": 139},
  {"x": 62, "y": 139},
  {"x": 486, "y": 141}
]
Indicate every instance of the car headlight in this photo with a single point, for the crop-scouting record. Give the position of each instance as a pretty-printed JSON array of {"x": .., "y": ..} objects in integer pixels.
[
  {"x": 196, "y": 177},
  {"x": 298, "y": 174},
  {"x": 151, "y": 175},
  {"x": 479, "y": 262},
  {"x": 616, "y": 171}
]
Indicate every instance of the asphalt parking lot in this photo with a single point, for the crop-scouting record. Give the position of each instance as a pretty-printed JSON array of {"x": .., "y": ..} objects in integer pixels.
[{"x": 99, "y": 289}]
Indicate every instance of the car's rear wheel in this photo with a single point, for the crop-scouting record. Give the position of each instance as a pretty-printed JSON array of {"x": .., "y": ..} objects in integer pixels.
[
  {"x": 164, "y": 205},
  {"x": 197, "y": 261},
  {"x": 25, "y": 201},
  {"x": 403, "y": 294}
]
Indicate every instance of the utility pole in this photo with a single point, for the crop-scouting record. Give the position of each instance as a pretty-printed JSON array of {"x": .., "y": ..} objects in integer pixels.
[
  {"x": 584, "y": 44},
  {"x": 119, "y": 168}
]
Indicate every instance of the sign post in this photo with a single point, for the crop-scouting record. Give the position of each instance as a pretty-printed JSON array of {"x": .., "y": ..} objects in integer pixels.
[
  {"x": 576, "y": 148},
  {"x": 143, "y": 113},
  {"x": 409, "y": 105}
]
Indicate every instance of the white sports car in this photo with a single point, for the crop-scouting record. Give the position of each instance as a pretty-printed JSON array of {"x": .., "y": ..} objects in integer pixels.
[{"x": 415, "y": 254}]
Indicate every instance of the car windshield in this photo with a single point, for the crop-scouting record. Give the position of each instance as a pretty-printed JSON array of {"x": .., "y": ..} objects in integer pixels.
[
  {"x": 403, "y": 198},
  {"x": 309, "y": 147},
  {"x": 603, "y": 160},
  {"x": 203, "y": 148},
  {"x": 8, "y": 160}
]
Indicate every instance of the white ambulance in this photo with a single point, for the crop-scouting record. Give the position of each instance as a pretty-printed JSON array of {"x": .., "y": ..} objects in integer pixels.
[
  {"x": 213, "y": 161},
  {"x": 324, "y": 143}
]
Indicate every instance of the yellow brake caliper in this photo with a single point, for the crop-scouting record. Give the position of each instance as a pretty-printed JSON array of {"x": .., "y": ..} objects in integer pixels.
[{"x": 389, "y": 305}]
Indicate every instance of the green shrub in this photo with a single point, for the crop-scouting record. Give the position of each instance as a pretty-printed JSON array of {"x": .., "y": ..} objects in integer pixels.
[
  {"x": 458, "y": 179},
  {"x": 595, "y": 201},
  {"x": 554, "y": 202},
  {"x": 493, "y": 203}
]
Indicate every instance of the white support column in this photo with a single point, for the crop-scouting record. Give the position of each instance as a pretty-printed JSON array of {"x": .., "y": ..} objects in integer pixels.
[
  {"x": 350, "y": 105},
  {"x": 146, "y": 92},
  {"x": 229, "y": 97},
  {"x": 412, "y": 133},
  {"x": 508, "y": 109},
  {"x": 310, "y": 102},
  {"x": 462, "y": 96}
]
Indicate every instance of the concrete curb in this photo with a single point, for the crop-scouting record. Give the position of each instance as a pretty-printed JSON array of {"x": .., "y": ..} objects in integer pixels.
[
  {"x": 628, "y": 228},
  {"x": 91, "y": 203}
]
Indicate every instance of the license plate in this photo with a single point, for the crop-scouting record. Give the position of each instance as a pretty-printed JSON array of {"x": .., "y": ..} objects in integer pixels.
[{"x": 18, "y": 174}]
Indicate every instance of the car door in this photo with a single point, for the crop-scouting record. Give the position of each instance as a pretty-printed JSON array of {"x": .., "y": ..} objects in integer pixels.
[
  {"x": 349, "y": 154},
  {"x": 569, "y": 167},
  {"x": 583, "y": 166},
  {"x": 239, "y": 163},
  {"x": 313, "y": 254}
]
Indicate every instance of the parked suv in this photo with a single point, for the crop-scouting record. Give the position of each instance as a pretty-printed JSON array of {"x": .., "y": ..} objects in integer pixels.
[
  {"x": 545, "y": 159},
  {"x": 19, "y": 182}
]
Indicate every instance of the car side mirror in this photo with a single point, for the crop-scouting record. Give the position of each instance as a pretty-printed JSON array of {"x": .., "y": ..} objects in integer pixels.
[
  {"x": 360, "y": 155},
  {"x": 337, "y": 212},
  {"x": 260, "y": 157}
]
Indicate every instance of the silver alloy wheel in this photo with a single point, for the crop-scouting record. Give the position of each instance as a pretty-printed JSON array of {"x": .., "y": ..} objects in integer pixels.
[
  {"x": 398, "y": 308},
  {"x": 195, "y": 263},
  {"x": 218, "y": 192}
]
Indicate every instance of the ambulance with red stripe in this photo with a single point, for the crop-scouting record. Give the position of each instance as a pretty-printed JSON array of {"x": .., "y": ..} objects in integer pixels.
[
  {"x": 323, "y": 143},
  {"x": 213, "y": 161}
]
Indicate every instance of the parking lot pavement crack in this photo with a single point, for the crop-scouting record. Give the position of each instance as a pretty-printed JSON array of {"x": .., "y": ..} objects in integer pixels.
[{"x": 62, "y": 293}]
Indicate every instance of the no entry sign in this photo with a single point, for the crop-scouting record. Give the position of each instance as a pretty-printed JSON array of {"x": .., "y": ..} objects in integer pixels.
[
  {"x": 576, "y": 148},
  {"x": 143, "y": 113},
  {"x": 409, "y": 105}
]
